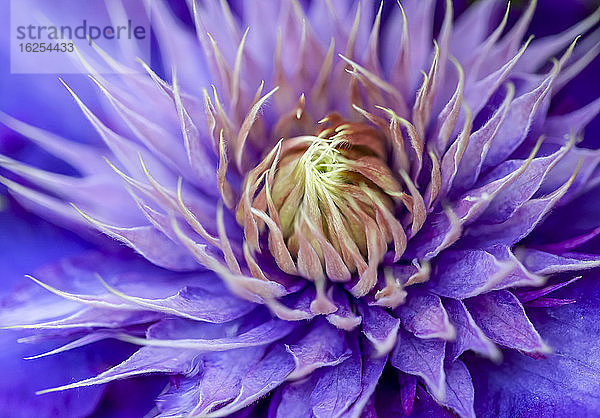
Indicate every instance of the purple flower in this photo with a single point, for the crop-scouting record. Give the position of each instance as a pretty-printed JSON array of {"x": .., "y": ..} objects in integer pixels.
[{"x": 330, "y": 211}]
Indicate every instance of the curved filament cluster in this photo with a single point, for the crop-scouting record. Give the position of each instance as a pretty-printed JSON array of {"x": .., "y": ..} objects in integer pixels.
[{"x": 329, "y": 202}]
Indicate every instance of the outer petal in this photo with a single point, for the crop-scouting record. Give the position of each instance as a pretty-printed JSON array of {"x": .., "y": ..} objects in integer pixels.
[
  {"x": 218, "y": 382},
  {"x": 564, "y": 384},
  {"x": 467, "y": 273},
  {"x": 388, "y": 404},
  {"x": 25, "y": 243},
  {"x": 326, "y": 392},
  {"x": 265, "y": 376},
  {"x": 134, "y": 286},
  {"x": 372, "y": 368},
  {"x": 380, "y": 328},
  {"x": 546, "y": 263},
  {"x": 468, "y": 335},
  {"x": 459, "y": 389},
  {"x": 323, "y": 345},
  {"x": 423, "y": 358},
  {"x": 144, "y": 361},
  {"x": 424, "y": 316},
  {"x": 502, "y": 318},
  {"x": 22, "y": 378}
]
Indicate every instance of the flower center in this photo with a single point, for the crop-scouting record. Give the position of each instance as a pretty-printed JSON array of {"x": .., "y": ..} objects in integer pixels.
[{"x": 328, "y": 201}]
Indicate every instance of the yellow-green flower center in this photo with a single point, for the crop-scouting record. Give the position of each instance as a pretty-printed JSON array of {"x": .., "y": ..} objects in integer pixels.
[{"x": 328, "y": 201}]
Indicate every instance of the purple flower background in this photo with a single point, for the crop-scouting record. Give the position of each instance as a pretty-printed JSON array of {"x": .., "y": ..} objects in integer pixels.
[{"x": 528, "y": 380}]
